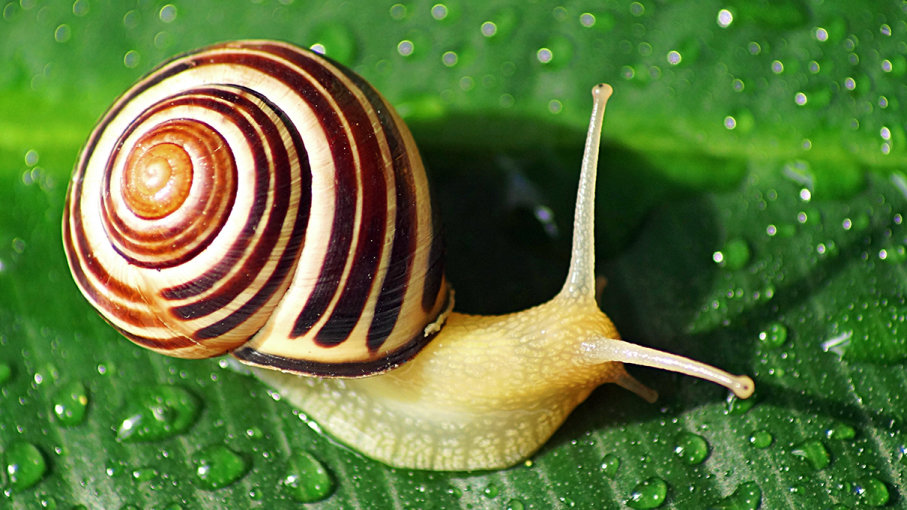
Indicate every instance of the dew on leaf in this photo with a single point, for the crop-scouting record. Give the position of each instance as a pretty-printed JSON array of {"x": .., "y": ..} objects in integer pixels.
[
  {"x": 747, "y": 496},
  {"x": 70, "y": 403},
  {"x": 25, "y": 465},
  {"x": 814, "y": 452},
  {"x": 144, "y": 474},
  {"x": 840, "y": 431},
  {"x": 761, "y": 439},
  {"x": 515, "y": 504},
  {"x": 6, "y": 372},
  {"x": 872, "y": 492},
  {"x": 649, "y": 493},
  {"x": 307, "y": 480},
  {"x": 735, "y": 406},
  {"x": 158, "y": 412},
  {"x": 491, "y": 491},
  {"x": 610, "y": 465},
  {"x": 691, "y": 448},
  {"x": 217, "y": 466},
  {"x": 774, "y": 335}
]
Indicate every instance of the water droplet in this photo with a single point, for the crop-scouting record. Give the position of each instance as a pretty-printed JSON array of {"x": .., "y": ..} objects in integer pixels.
[
  {"x": 637, "y": 9},
  {"x": 777, "y": 67},
  {"x": 217, "y": 466},
  {"x": 774, "y": 335},
  {"x": 167, "y": 13},
  {"x": 730, "y": 122},
  {"x": 610, "y": 465},
  {"x": 6, "y": 372},
  {"x": 131, "y": 59},
  {"x": 449, "y": 58},
  {"x": 840, "y": 431},
  {"x": 489, "y": 28},
  {"x": 544, "y": 55},
  {"x": 144, "y": 474},
  {"x": 515, "y": 504},
  {"x": 747, "y": 496},
  {"x": 734, "y": 255},
  {"x": 405, "y": 47},
  {"x": 814, "y": 452},
  {"x": 62, "y": 33},
  {"x": 725, "y": 18},
  {"x": 25, "y": 465},
  {"x": 735, "y": 406},
  {"x": 80, "y": 7},
  {"x": 307, "y": 480},
  {"x": 691, "y": 448},
  {"x": 674, "y": 57},
  {"x": 761, "y": 439},
  {"x": 439, "y": 11},
  {"x": 70, "y": 403},
  {"x": 650, "y": 493},
  {"x": 587, "y": 19},
  {"x": 872, "y": 491},
  {"x": 157, "y": 413},
  {"x": 491, "y": 491},
  {"x": 337, "y": 42},
  {"x": 800, "y": 98},
  {"x": 398, "y": 11}
]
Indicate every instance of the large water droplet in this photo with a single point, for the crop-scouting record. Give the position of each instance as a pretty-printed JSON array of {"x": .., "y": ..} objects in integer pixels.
[
  {"x": 747, "y": 496},
  {"x": 515, "y": 504},
  {"x": 761, "y": 439},
  {"x": 70, "y": 403},
  {"x": 6, "y": 372},
  {"x": 872, "y": 491},
  {"x": 217, "y": 466},
  {"x": 610, "y": 465},
  {"x": 25, "y": 465},
  {"x": 840, "y": 431},
  {"x": 307, "y": 479},
  {"x": 691, "y": 448},
  {"x": 649, "y": 493},
  {"x": 157, "y": 413},
  {"x": 814, "y": 452}
]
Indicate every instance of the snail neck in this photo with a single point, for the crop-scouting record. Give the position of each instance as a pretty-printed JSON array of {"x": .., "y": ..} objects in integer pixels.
[{"x": 581, "y": 276}]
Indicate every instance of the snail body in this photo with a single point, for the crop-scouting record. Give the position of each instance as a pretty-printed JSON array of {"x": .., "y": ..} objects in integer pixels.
[{"x": 258, "y": 199}]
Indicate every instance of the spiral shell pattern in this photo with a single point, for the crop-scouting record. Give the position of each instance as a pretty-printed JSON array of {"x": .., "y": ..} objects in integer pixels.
[{"x": 256, "y": 198}]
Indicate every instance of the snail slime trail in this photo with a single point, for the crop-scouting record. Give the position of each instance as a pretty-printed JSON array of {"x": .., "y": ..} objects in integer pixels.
[{"x": 340, "y": 304}]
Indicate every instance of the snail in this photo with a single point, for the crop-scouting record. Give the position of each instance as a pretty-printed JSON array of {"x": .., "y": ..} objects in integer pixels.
[{"x": 261, "y": 200}]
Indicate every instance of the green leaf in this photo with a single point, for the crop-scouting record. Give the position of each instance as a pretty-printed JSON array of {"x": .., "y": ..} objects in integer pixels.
[{"x": 750, "y": 215}]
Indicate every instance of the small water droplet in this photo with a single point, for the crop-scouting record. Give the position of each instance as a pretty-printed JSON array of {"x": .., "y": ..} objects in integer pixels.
[
  {"x": 167, "y": 13},
  {"x": 62, "y": 33},
  {"x": 814, "y": 452},
  {"x": 587, "y": 19},
  {"x": 70, "y": 403},
  {"x": 131, "y": 59},
  {"x": 725, "y": 18},
  {"x": 872, "y": 491},
  {"x": 674, "y": 57},
  {"x": 307, "y": 480},
  {"x": 691, "y": 448},
  {"x": 650, "y": 493},
  {"x": 335, "y": 41},
  {"x": 777, "y": 67},
  {"x": 761, "y": 439},
  {"x": 449, "y": 58},
  {"x": 491, "y": 491},
  {"x": 217, "y": 466},
  {"x": 774, "y": 335},
  {"x": 25, "y": 465},
  {"x": 405, "y": 47},
  {"x": 840, "y": 431},
  {"x": 800, "y": 98},
  {"x": 157, "y": 413},
  {"x": 489, "y": 28},
  {"x": 439, "y": 11},
  {"x": 747, "y": 496},
  {"x": 610, "y": 465},
  {"x": 398, "y": 11}
]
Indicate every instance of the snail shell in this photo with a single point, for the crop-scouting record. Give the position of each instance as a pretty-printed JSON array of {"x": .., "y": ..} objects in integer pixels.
[{"x": 255, "y": 197}]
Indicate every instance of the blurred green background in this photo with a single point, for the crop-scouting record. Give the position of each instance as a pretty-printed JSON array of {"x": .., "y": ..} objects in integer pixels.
[{"x": 749, "y": 215}]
